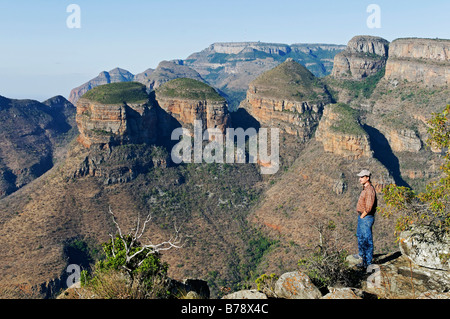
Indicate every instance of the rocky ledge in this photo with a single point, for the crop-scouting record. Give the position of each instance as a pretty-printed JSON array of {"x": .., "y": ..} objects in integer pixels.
[
  {"x": 288, "y": 97},
  {"x": 126, "y": 115},
  {"x": 397, "y": 275},
  {"x": 363, "y": 57},
  {"x": 186, "y": 100},
  {"x": 123, "y": 113},
  {"x": 340, "y": 133},
  {"x": 425, "y": 61}
]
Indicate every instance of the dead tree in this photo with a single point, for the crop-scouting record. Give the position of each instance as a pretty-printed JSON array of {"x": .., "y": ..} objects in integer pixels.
[{"x": 132, "y": 239}]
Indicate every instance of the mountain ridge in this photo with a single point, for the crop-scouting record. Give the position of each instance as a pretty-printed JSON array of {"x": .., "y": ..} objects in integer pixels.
[{"x": 238, "y": 222}]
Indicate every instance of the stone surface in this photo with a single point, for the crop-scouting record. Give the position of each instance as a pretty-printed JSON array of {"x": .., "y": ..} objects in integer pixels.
[
  {"x": 246, "y": 294},
  {"x": 402, "y": 140},
  {"x": 296, "y": 285},
  {"x": 401, "y": 278},
  {"x": 426, "y": 247},
  {"x": 342, "y": 293},
  {"x": 106, "y": 124},
  {"x": 212, "y": 114},
  {"x": 288, "y": 97},
  {"x": 185, "y": 101},
  {"x": 425, "y": 61},
  {"x": 349, "y": 145},
  {"x": 363, "y": 57}
]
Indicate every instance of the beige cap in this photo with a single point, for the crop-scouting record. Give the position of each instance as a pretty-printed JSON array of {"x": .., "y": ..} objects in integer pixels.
[{"x": 364, "y": 172}]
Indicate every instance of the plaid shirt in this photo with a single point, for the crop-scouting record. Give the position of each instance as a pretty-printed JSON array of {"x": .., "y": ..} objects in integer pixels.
[{"x": 367, "y": 200}]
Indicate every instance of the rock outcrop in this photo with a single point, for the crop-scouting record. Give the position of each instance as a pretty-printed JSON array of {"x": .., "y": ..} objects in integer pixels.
[
  {"x": 186, "y": 100},
  {"x": 123, "y": 113},
  {"x": 165, "y": 72},
  {"x": 340, "y": 133},
  {"x": 363, "y": 57},
  {"x": 151, "y": 78},
  {"x": 402, "y": 140},
  {"x": 113, "y": 76},
  {"x": 425, "y": 61},
  {"x": 288, "y": 97},
  {"x": 426, "y": 247},
  {"x": 131, "y": 119},
  {"x": 296, "y": 285}
]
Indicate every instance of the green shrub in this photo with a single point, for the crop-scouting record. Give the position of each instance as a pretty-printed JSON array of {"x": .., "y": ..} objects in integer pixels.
[
  {"x": 266, "y": 284},
  {"x": 145, "y": 270}
]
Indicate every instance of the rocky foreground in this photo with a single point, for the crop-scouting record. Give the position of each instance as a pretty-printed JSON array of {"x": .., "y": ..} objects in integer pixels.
[{"x": 420, "y": 270}]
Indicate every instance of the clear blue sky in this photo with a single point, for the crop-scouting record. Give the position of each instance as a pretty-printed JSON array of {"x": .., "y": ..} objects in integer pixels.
[{"x": 41, "y": 57}]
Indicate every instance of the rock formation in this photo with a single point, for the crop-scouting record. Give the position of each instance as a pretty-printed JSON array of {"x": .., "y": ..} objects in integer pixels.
[
  {"x": 288, "y": 97},
  {"x": 341, "y": 134},
  {"x": 132, "y": 119},
  {"x": 231, "y": 66},
  {"x": 186, "y": 100},
  {"x": 364, "y": 56},
  {"x": 164, "y": 72},
  {"x": 402, "y": 140},
  {"x": 426, "y": 247},
  {"x": 425, "y": 61},
  {"x": 113, "y": 76}
]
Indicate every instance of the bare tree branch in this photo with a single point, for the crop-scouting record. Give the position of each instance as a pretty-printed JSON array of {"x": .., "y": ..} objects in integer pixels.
[{"x": 173, "y": 242}]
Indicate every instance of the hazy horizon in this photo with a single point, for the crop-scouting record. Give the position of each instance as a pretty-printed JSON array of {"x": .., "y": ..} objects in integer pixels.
[{"x": 42, "y": 57}]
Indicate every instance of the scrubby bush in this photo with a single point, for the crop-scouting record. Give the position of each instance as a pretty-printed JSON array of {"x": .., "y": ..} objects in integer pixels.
[{"x": 117, "y": 276}]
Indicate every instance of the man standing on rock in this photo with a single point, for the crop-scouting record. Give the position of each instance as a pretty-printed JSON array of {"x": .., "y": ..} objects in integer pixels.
[{"x": 366, "y": 208}]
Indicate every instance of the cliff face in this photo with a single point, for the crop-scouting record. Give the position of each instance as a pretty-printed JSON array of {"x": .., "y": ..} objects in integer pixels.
[
  {"x": 187, "y": 100},
  {"x": 425, "y": 61},
  {"x": 364, "y": 56},
  {"x": 288, "y": 97},
  {"x": 115, "y": 123},
  {"x": 213, "y": 114},
  {"x": 116, "y": 113},
  {"x": 145, "y": 119},
  {"x": 341, "y": 135}
]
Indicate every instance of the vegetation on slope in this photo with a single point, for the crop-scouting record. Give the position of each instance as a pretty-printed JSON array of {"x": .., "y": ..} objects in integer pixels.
[
  {"x": 348, "y": 120},
  {"x": 290, "y": 81},
  {"x": 117, "y": 93},
  {"x": 185, "y": 88}
]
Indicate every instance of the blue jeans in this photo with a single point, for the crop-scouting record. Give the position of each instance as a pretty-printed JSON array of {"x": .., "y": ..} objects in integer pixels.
[{"x": 365, "y": 238}]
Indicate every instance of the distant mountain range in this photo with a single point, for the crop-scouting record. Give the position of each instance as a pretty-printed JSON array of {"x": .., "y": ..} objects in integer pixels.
[{"x": 228, "y": 67}]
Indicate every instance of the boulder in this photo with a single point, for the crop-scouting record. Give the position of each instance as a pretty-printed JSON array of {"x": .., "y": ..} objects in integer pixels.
[
  {"x": 342, "y": 293},
  {"x": 246, "y": 294},
  {"x": 401, "y": 278},
  {"x": 296, "y": 285},
  {"x": 426, "y": 247}
]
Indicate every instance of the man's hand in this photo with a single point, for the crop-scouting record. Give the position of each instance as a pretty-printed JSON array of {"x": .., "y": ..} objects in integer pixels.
[{"x": 363, "y": 214}]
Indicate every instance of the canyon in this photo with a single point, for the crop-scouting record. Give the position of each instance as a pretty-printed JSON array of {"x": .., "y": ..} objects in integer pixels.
[{"x": 368, "y": 111}]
